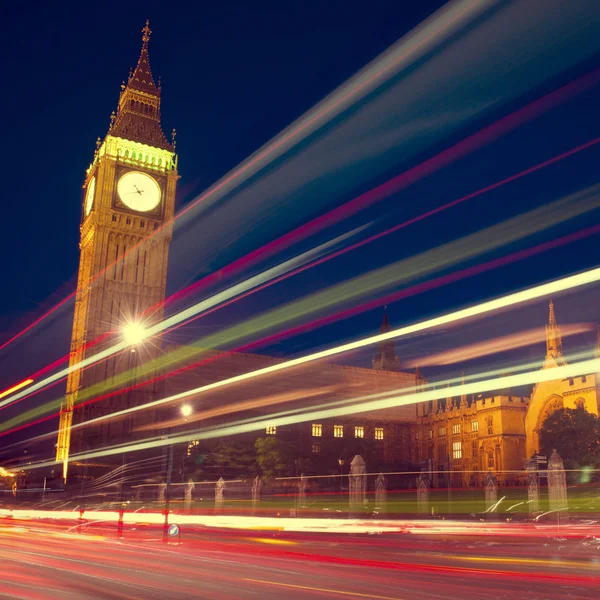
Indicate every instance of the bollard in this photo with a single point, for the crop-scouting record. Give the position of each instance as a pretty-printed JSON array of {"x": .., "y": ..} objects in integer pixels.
[{"x": 120, "y": 524}]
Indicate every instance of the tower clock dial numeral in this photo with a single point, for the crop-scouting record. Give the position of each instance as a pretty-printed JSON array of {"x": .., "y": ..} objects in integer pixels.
[
  {"x": 138, "y": 191},
  {"x": 89, "y": 196}
]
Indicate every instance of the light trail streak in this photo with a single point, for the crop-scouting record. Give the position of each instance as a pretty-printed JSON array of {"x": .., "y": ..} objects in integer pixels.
[
  {"x": 494, "y": 346},
  {"x": 546, "y": 289},
  {"x": 537, "y": 376},
  {"x": 16, "y": 388},
  {"x": 429, "y": 285},
  {"x": 435, "y": 31},
  {"x": 373, "y": 282},
  {"x": 444, "y": 22},
  {"x": 201, "y": 306},
  {"x": 445, "y": 382},
  {"x": 334, "y": 254},
  {"x": 246, "y": 261},
  {"x": 227, "y": 409},
  {"x": 409, "y": 177}
]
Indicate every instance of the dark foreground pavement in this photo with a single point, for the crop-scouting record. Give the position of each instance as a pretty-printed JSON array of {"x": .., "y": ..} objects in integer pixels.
[{"x": 51, "y": 561}]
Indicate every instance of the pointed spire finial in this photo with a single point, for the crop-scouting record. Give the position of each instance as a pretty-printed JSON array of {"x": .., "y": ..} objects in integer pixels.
[
  {"x": 551, "y": 315},
  {"x": 146, "y": 33},
  {"x": 553, "y": 336}
]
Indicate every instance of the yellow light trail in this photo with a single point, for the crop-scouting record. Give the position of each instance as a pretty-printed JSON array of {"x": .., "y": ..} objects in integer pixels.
[
  {"x": 200, "y": 307},
  {"x": 430, "y": 385},
  {"x": 403, "y": 271},
  {"x": 16, "y": 388},
  {"x": 533, "y": 293},
  {"x": 366, "y": 405}
]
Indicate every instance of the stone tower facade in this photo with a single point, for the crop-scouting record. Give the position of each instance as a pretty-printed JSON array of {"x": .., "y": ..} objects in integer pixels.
[
  {"x": 126, "y": 228},
  {"x": 385, "y": 359}
]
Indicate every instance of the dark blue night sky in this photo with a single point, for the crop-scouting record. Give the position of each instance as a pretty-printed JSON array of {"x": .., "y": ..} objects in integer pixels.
[{"x": 234, "y": 74}]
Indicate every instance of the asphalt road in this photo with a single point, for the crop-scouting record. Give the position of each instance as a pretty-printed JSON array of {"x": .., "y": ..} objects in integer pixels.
[{"x": 49, "y": 561}]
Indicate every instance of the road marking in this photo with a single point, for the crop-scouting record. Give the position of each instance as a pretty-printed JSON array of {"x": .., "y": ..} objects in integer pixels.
[
  {"x": 526, "y": 561},
  {"x": 324, "y": 590},
  {"x": 272, "y": 541}
]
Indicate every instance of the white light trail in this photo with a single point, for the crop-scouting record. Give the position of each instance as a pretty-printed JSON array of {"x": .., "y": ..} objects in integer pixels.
[
  {"x": 533, "y": 293},
  {"x": 557, "y": 373},
  {"x": 198, "y": 308}
]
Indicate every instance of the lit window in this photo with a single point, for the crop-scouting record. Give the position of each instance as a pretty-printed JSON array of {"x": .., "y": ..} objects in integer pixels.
[
  {"x": 456, "y": 428},
  {"x": 316, "y": 448},
  {"x": 456, "y": 450},
  {"x": 359, "y": 432},
  {"x": 490, "y": 425},
  {"x": 272, "y": 430},
  {"x": 430, "y": 434},
  {"x": 378, "y": 433},
  {"x": 338, "y": 431},
  {"x": 442, "y": 432},
  {"x": 317, "y": 430},
  {"x": 474, "y": 425}
]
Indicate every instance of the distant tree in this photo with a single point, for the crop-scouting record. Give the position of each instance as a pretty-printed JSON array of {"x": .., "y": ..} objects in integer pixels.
[
  {"x": 273, "y": 457},
  {"x": 225, "y": 459},
  {"x": 575, "y": 434},
  {"x": 236, "y": 458}
]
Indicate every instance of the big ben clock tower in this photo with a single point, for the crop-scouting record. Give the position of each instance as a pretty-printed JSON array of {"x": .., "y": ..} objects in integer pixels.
[{"x": 128, "y": 205}]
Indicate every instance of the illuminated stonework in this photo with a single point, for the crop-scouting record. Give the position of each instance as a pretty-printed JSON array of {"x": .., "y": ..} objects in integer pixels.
[
  {"x": 136, "y": 154},
  {"x": 124, "y": 255},
  {"x": 499, "y": 432}
]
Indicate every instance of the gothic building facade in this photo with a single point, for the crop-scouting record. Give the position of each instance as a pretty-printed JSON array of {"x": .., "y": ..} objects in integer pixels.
[
  {"x": 128, "y": 204},
  {"x": 470, "y": 435}
]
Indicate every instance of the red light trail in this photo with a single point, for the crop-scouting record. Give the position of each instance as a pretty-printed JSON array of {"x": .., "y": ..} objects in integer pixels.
[
  {"x": 401, "y": 181},
  {"x": 342, "y": 251},
  {"x": 276, "y": 145},
  {"x": 414, "y": 290}
]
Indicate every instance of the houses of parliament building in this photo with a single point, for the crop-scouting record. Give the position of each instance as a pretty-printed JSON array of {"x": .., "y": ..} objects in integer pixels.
[{"x": 127, "y": 210}]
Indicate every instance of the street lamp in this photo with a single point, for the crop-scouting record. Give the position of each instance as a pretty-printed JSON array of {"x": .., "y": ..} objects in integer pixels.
[
  {"x": 341, "y": 461},
  {"x": 134, "y": 333}
]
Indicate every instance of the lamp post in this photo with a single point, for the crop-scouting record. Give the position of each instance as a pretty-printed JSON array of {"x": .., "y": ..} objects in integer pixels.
[
  {"x": 186, "y": 411},
  {"x": 341, "y": 461},
  {"x": 134, "y": 333}
]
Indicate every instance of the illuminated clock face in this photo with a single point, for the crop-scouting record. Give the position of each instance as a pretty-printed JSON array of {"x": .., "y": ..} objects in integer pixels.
[
  {"x": 138, "y": 191},
  {"x": 89, "y": 196}
]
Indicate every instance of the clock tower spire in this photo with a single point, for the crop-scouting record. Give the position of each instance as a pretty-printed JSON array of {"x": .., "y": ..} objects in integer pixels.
[{"x": 128, "y": 205}]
